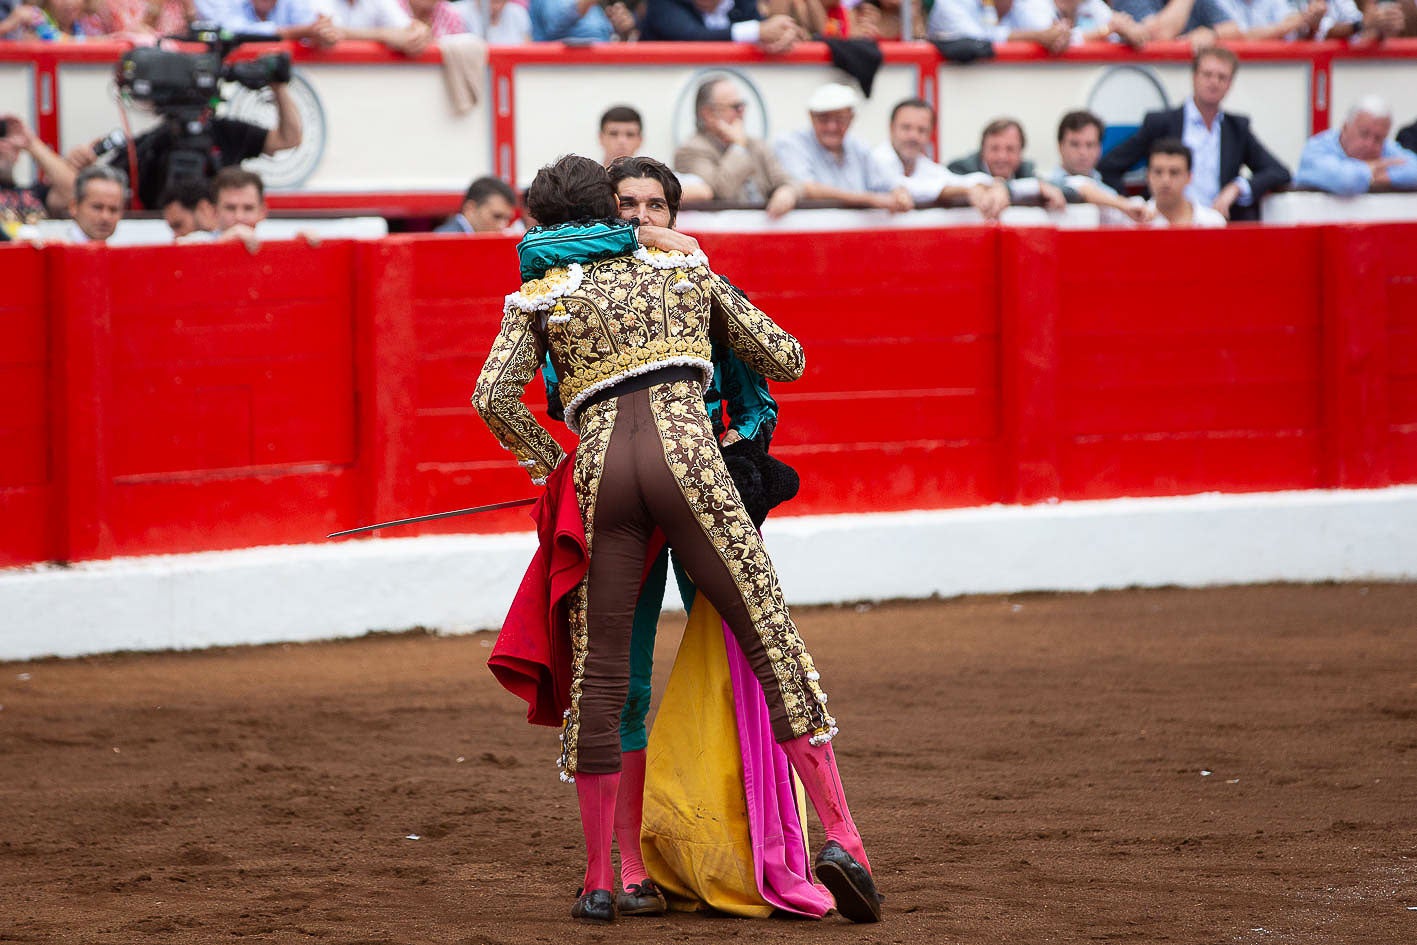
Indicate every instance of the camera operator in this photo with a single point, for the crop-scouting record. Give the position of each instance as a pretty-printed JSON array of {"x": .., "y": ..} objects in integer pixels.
[{"x": 232, "y": 141}]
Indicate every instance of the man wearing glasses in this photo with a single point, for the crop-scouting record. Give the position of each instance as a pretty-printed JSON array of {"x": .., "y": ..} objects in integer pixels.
[
  {"x": 735, "y": 166},
  {"x": 831, "y": 165}
]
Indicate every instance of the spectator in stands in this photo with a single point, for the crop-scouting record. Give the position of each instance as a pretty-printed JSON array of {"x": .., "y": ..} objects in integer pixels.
[
  {"x": 581, "y": 20},
  {"x": 1087, "y": 21},
  {"x": 815, "y": 18},
  {"x": 188, "y": 208},
  {"x": 1079, "y": 147},
  {"x": 488, "y": 207},
  {"x": 734, "y": 166},
  {"x": 100, "y": 194},
  {"x": 440, "y": 16},
  {"x": 240, "y": 208},
  {"x": 18, "y": 20},
  {"x": 882, "y": 20},
  {"x": 292, "y": 20},
  {"x": 240, "y": 200},
  {"x": 829, "y": 164},
  {"x": 1277, "y": 19},
  {"x": 1221, "y": 143},
  {"x": 62, "y": 20},
  {"x": 1201, "y": 22},
  {"x": 379, "y": 21},
  {"x": 903, "y": 158},
  {"x": 621, "y": 133},
  {"x": 27, "y": 205},
  {"x": 1000, "y": 155},
  {"x": 497, "y": 21},
  {"x": 166, "y": 17},
  {"x": 1168, "y": 176},
  {"x": 1358, "y": 157},
  {"x": 1002, "y": 21},
  {"x": 1376, "y": 20},
  {"x": 708, "y": 21}
]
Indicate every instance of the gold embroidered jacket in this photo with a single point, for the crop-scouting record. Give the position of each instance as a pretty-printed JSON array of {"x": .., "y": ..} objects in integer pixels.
[{"x": 613, "y": 319}]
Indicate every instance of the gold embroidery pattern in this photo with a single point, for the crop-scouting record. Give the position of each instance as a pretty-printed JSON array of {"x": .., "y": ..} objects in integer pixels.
[
  {"x": 693, "y": 456},
  {"x": 515, "y": 357},
  {"x": 755, "y": 337},
  {"x": 590, "y": 462},
  {"x": 626, "y": 316}
]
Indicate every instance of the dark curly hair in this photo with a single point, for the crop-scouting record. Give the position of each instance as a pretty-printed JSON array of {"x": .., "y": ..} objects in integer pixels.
[
  {"x": 574, "y": 188},
  {"x": 639, "y": 166}
]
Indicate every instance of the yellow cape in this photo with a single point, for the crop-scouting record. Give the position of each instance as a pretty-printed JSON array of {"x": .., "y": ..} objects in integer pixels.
[{"x": 695, "y": 837}]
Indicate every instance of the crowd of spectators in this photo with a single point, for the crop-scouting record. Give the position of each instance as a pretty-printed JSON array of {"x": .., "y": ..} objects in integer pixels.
[
  {"x": 776, "y": 25},
  {"x": 1197, "y": 164}
]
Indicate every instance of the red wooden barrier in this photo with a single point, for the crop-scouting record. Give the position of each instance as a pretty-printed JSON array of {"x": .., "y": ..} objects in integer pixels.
[
  {"x": 27, "y": 414},
  {"x": 186, "y": 398}
]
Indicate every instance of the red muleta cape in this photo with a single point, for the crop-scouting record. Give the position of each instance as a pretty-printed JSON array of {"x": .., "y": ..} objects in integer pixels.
[{"x": 532, "y": 655}]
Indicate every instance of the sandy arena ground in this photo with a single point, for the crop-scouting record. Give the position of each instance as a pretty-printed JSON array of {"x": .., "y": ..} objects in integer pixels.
[{"x": 1234, "y": 765}]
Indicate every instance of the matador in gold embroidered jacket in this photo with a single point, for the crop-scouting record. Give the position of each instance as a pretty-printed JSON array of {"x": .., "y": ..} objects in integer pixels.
[{"x": 631, "y": 339}]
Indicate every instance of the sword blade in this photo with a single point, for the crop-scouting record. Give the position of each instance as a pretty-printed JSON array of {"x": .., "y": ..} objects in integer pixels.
[{"x": 436, "y": 515}]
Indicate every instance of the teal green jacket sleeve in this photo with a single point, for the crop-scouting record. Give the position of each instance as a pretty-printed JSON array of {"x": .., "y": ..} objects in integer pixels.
[{"x": 752, "y": 411}]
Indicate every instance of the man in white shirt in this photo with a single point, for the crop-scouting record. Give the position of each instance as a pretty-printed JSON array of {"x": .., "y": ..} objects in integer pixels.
[
  {"x": 500, "y": 22},
  {"x": 1168, "y": 172},
  {"x": 1087, "y": 21},
  {"x": 829, "y": 164},
  {"x": 379, "y": 21},
  {"x": 1276, "y": 19},
  {"x": 903, "y": 157},
  {"x": 1017, "y": 21},
  {"x": 100, "y": 194}
]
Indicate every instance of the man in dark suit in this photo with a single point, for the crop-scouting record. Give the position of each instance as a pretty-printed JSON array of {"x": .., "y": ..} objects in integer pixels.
[
  {"x": 1000, "y": 155},
  {"x": 709, "y": 21},
  {"x": 1221, "y": 143}
]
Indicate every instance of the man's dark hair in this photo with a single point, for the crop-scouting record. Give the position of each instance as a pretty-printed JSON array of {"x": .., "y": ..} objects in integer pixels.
[
  {"x": 235, "y": 178},
  {"x": 574, "y": 188},
  {"x": 1170, "y": 146},
  {"x": 1216, "y": 52},
  {"x": 99, "y": 172},
  {"x": 914, "y": 103},
  {"x": 188, "y": 193},
  {"x": 999, "y": 126},
  {"x": 1077, "y": 121},
  {"x": 635, "y": 166},
  {"x": 480, "y": 190},
  {"x": 620, "y": 113}
]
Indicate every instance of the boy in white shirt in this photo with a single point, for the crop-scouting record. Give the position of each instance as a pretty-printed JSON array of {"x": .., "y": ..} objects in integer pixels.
[{"x": 1168, "y": 172}]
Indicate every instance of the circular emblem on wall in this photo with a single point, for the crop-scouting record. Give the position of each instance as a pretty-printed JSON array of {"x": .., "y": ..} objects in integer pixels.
[
  {"x": 1122, "y": 96},
  {"x": 685, "y": 122},
  {"x": 287, "y": 169}
]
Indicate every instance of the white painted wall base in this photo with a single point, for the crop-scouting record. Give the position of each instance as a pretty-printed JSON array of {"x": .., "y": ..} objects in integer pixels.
[{"x": 461, "y": 583}]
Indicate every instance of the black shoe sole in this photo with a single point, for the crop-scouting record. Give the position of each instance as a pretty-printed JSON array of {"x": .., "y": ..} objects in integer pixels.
[
  {"x": 652, "y": 909},
  {"x": 855, "y": 904}
]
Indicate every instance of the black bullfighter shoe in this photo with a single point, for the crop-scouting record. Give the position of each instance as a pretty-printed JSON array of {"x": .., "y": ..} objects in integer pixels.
[{"x": 849, "y": 883}]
